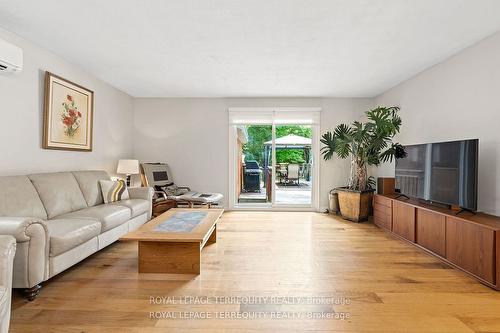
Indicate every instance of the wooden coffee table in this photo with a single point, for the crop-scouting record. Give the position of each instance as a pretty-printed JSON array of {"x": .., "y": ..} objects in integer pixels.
[{"x": 172, "y": 242}]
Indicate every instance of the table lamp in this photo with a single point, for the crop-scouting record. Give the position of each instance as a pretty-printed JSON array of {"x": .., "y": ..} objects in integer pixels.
[{"x": 128, "y": 167}]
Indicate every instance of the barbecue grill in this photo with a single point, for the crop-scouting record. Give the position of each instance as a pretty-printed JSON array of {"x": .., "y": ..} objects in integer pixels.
[{"x": 251, "y": 180}]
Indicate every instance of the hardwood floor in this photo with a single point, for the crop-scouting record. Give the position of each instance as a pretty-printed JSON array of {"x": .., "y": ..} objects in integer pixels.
[{"x": 390, "y": 286}]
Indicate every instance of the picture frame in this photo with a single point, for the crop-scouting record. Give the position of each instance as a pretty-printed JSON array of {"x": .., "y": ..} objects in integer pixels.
[{"x": 68, "y": 115}]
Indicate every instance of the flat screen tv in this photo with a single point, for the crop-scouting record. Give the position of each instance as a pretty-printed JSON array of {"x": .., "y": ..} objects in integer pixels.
[{"x": 440, "y": 172}]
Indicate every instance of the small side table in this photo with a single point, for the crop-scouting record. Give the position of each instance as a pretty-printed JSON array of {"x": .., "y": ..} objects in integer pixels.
[{"x": 161, "y": 207}]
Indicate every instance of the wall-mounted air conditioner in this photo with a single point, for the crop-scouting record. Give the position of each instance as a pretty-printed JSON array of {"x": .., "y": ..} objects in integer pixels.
[{"x": 11, "y": 57}]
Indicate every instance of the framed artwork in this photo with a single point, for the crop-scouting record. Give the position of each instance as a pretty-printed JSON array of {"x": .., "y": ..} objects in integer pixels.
[{"x": 68, "y": 115}]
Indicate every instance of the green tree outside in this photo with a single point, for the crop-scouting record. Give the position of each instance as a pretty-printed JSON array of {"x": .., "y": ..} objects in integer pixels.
[
  {"x": 258, "y": 134},
  {"x": 254, "y": 148},
  {"x": 294, "y": 156}
]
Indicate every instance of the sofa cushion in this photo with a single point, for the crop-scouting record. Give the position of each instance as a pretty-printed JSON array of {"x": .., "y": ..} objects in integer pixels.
[
  {"x": 110, "y": 216},
  {"x": 137, "y": 206},
  {"x": 66, "y": 234},
  {"x": 59, "y": 192},
  {"x": 89, "y": 184},
  {"x": 19, "y": 198}
]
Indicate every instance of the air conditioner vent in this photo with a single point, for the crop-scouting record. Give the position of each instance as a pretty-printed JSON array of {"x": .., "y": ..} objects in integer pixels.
[{"x": 11, "y": 57}]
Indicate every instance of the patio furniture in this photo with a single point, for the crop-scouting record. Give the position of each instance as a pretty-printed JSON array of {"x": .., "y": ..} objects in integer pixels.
[
  {"x": 281, "y": 172},
  {"x": 288, "y": 142},
  {"x": 158, "y": 176},
  {"x": 293, "y": 176},
  {"x": 251, "y": 180}
]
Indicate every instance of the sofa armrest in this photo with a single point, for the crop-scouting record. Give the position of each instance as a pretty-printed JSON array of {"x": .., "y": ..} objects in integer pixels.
[
  {"x": 22, "y": 228},
  {"x": 31, "y": 259},
  {"x": 145, "y": 193},
  {"x": 7, "y": 251}
]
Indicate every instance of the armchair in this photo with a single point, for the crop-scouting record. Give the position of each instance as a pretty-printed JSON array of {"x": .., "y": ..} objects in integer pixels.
[{"x": 7, "y": 251}]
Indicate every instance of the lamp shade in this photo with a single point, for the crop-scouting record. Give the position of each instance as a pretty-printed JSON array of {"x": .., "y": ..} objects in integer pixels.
[{"x": 128, "y": 167}]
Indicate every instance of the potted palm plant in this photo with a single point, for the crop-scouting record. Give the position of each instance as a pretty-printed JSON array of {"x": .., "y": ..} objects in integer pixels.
[{"x": 369, "y": 143}]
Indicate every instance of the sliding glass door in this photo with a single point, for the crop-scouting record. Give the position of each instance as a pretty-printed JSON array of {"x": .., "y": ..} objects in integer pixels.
[
  {"x": 293, "y": 165},
  {"x": 253, "y": 170},
  {"x": 272, "y": 159}
]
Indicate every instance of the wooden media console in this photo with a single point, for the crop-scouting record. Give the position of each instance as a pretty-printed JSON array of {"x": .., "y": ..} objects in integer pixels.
[{"x": 466, "y": 241}]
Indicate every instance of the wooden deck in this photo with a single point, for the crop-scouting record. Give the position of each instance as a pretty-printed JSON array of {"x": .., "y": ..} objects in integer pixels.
[
  {"x": 285, "y": 194},
  {"x": 390, "y": 286}
]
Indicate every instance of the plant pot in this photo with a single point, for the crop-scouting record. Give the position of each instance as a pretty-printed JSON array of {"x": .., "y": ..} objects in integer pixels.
[{"x": 355, "y": 205}]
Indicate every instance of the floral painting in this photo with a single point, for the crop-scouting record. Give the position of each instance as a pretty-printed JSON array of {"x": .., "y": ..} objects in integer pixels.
[
  {"x": 68, "y": 115},
  {"x": 71, "y": 117}
]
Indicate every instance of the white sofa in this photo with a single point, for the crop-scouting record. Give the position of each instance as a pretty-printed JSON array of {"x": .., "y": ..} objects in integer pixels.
[
  {"x": 59, "y": 219},
  {"x": 7, "y": 250}
]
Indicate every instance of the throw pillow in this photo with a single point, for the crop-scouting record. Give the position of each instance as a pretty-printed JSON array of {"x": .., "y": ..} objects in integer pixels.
[
  {"x": 160, "y": 187},
  {"x": 170, "y": 190},
  {"x": 113, "y": 190}
]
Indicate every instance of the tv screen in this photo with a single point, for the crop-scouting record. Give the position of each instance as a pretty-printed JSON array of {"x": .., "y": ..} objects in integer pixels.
[{"x": 442, "y": 172}]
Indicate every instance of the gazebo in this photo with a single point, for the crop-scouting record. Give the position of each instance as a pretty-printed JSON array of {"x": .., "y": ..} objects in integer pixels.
[{"x": 290, "y": 141}]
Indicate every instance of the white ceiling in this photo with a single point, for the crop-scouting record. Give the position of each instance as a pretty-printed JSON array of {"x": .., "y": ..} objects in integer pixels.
[{"x": 257, "y": 48}]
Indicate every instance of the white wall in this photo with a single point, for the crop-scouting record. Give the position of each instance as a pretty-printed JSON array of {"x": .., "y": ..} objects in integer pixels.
[
  {"x": 191, "y": 135},
  {"x": 457, "y": 99},
  {"x": 21, "y": 109}
]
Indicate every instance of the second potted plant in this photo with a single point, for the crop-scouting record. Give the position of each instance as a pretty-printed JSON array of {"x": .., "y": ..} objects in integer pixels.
[{"x": 369, "y": 143}]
